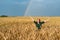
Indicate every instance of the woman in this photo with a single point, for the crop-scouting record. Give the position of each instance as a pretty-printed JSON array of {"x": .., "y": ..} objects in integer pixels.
[{"x": 39, "y": 23}]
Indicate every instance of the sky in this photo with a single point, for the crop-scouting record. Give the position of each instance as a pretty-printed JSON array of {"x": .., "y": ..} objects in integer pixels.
[
  {"x": 37, "y": 7},
  {"x": 13, "y": 7}
]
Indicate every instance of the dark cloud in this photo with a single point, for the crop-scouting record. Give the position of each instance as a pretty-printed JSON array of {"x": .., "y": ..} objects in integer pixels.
[{"x": 44, "y": 8}]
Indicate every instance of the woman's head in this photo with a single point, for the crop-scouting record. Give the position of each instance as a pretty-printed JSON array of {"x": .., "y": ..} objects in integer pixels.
[{"x": 38, "y": 20}]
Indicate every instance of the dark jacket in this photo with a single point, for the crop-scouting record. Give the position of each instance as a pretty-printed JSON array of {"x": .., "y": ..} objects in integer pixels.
[{"x": 39, "y": 25}]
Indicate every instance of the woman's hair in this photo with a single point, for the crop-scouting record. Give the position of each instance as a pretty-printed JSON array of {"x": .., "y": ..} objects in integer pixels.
[{"x": 39, "y": 20}]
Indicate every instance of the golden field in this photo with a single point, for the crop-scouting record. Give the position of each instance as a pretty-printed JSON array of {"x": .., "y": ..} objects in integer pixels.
[{"x": 23, "y": 28}]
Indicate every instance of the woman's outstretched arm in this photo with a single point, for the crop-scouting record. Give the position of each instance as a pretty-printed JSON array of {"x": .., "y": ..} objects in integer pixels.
[
  {"x": 46, "y": 20},
  {"x": 32, "y": 18}
]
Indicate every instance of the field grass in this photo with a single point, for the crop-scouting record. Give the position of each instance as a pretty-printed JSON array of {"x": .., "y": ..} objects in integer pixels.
[{"x": 23, "y": 28}]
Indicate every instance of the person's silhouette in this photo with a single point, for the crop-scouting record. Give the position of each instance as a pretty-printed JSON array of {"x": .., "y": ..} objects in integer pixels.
[{"x": 39, "y": 23}]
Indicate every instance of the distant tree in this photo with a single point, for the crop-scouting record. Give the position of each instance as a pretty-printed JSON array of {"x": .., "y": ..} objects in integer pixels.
[{"x": 3, "y": 16}]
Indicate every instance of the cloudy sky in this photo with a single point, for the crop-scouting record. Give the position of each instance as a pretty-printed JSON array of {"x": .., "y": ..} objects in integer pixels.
[{"x": 35, "y": 8}]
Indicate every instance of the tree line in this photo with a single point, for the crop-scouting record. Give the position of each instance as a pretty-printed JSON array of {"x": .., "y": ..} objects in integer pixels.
[{"x": 3, "y": 16}]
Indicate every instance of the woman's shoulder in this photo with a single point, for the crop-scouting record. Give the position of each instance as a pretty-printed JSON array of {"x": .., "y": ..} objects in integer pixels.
[{"x": 35, "y": 22}]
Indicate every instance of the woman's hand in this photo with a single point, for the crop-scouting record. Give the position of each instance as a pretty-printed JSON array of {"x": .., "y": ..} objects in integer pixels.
[
  {"x": 31, "y": 18},
  {"x": 46, "y": 20}
]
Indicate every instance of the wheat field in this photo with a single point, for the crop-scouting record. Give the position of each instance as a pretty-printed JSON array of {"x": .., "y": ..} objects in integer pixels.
[{"x": 23, "y": 28}]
